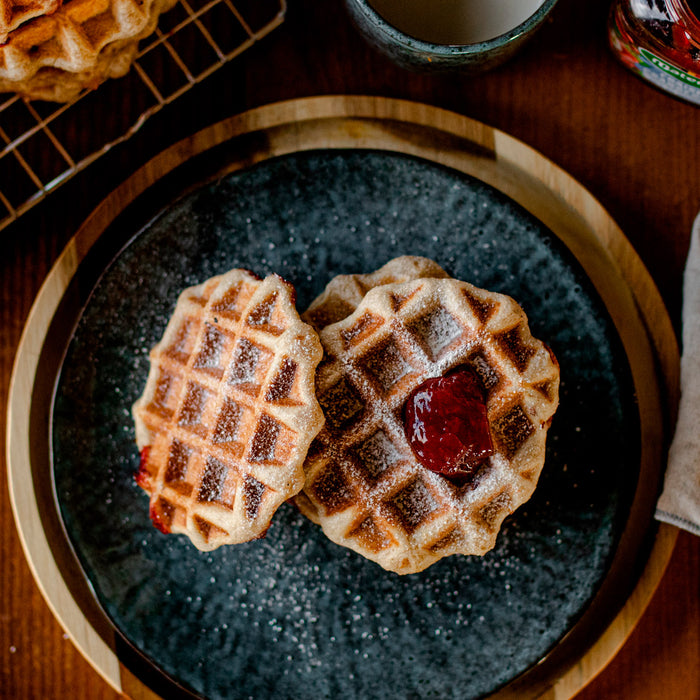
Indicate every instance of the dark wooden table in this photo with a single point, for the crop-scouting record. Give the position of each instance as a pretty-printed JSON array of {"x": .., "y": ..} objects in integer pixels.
[{"x": 635, "y": 149}]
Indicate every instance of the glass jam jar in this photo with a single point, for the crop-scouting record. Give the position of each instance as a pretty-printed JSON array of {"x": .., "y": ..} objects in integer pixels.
[{"x": 659, "y": 40}]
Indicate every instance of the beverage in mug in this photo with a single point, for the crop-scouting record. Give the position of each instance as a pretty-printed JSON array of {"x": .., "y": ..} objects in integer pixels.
[
  {"x": 453, "y": 22},
  {"x": 469, "y": 36}
]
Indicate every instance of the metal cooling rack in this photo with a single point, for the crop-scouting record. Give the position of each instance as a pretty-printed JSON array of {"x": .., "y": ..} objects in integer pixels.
[{"x": 41, "y": 146}]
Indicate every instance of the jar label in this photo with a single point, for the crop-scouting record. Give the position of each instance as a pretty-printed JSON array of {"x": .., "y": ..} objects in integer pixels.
[
  {"x": 668, "y": 77},
  {"x": 670, "y": 69},
  {"x": 657, "y": 70}
]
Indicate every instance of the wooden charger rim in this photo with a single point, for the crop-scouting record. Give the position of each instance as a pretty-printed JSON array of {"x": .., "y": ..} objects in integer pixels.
[{"x": 443, "y": 137}]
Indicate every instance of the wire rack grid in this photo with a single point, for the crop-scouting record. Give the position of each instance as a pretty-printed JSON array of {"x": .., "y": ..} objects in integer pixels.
[{"x": 43, "y": 148}]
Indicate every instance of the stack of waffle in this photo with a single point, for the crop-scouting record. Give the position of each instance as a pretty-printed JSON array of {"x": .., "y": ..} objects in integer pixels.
[
  {"x": 248, "y": 404},
  {"x": 53, "y": 50}
]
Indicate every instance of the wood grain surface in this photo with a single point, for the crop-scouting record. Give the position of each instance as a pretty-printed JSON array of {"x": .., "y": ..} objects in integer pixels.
[
  {"x": 449, "y": 139},
  {"x": 634, "y": 148}
]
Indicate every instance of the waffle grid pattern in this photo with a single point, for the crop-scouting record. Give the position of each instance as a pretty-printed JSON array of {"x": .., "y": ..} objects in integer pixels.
[
  {"x": 344, "y": 293},
  {"x": 13, "y": 13},
  {"x": 228, "y": 411},
  {"x": 364, "y": 486},
  {"x": 71, "y": 38},
  {"x": 39, "y": 150}
]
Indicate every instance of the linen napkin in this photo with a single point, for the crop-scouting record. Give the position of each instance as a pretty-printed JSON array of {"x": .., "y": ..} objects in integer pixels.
[{"x": 680, "y": 500}]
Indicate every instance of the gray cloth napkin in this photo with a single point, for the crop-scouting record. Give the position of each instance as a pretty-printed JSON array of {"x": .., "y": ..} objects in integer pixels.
[{"x": 680, "y": 501}]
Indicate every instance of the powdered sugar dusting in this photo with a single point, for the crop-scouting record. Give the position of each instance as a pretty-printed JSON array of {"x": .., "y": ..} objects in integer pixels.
[{"x": 436, "y": 330}]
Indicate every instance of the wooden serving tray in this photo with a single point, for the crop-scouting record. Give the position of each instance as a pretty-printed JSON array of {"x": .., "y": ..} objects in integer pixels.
[{"x": 446, "y": 138}]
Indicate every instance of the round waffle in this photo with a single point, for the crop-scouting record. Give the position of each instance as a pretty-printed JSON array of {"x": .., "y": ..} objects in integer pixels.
[
  {"x": 55, "y": 85},
  {"x": 229, "y": 410},
  {"x": 81, "y": 44},
  {"x": 364, "y": 485}
]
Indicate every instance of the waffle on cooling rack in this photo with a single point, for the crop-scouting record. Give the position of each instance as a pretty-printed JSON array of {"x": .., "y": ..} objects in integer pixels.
[
  {"x": 364, "y": 485},
  {"x": 229, "y": 410},
  {"x": 81, "y": 44}
]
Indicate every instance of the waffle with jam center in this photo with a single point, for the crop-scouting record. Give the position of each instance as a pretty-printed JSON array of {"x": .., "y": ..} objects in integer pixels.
[
  {"x": 229, "y": 410},
  {"x": 364, "y": 485}
]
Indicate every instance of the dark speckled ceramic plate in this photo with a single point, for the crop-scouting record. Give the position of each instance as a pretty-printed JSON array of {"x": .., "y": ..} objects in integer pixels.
[{"x": 295, "y": 615}]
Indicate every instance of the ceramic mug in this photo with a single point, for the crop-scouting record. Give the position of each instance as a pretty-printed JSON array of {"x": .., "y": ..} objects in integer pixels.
[{"x": 465, "y": 35}]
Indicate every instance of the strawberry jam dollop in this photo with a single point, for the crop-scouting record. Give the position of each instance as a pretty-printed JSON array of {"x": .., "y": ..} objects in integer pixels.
[
  {"x": 143, "y": 475},
  {"x": 446, "y": 424},
  {"x": 157, "y": 519},
  {"x": 143, "y": 479}
]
